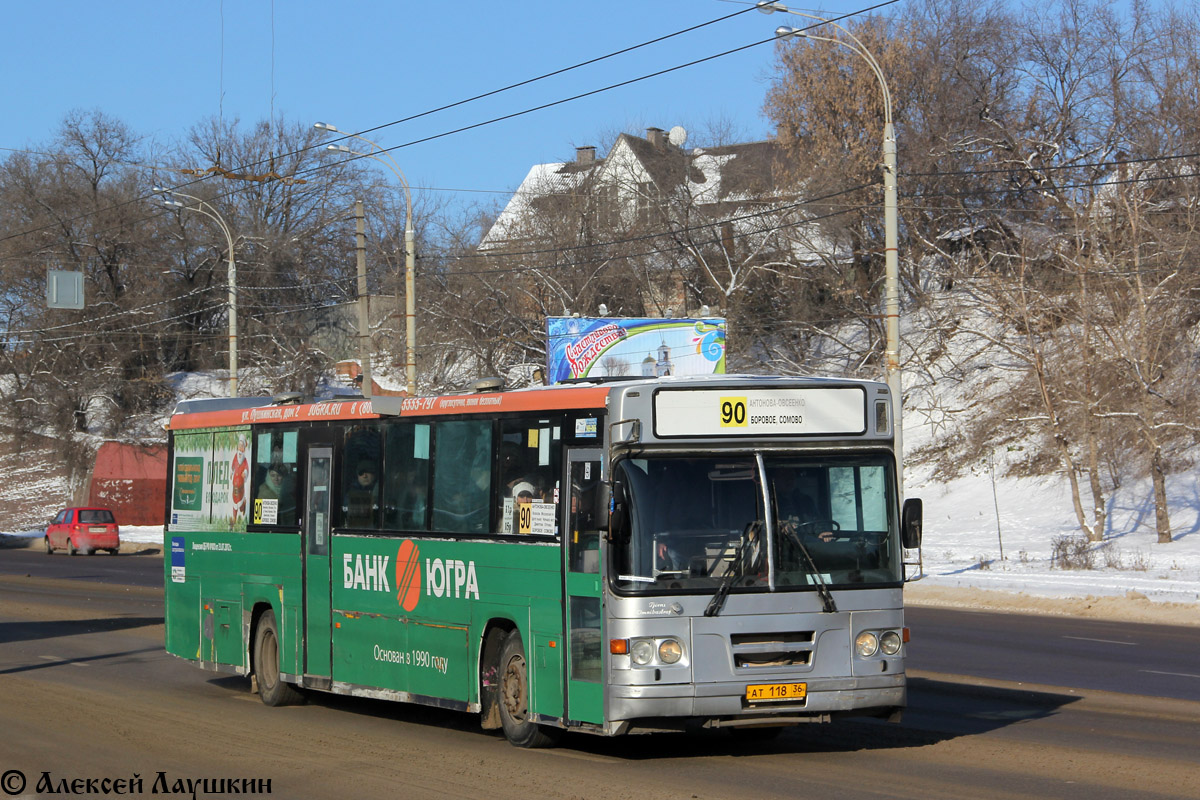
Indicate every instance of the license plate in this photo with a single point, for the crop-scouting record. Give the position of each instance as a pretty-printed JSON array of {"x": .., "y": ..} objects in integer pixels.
[
  {"x": 758, "y": 692},
  {"x": 97, "y": 529}
]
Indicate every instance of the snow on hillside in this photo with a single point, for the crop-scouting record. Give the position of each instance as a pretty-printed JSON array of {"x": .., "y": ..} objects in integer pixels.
[
  {"x": 969, "y": 523},
  {"x": 985, "y": 529}
]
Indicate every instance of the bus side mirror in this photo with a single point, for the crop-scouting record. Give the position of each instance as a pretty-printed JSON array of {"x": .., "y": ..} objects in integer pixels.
[
  {"x": 618, "y": 513},
  {"x": 602, "y": 502},
  {"x": 911, "y": 522}
]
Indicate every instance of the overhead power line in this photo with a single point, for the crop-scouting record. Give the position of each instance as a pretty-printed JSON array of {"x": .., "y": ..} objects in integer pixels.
[{"x": 320, "y": 167}]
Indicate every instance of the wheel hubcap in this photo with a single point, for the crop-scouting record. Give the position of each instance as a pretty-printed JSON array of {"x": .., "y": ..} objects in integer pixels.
[
  {"x": 270, "y": 657},
  {"x": 513, "y": 689}
]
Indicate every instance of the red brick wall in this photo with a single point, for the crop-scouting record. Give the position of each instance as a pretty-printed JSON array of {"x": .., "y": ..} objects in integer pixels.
[{"x": 132, "y": 481}]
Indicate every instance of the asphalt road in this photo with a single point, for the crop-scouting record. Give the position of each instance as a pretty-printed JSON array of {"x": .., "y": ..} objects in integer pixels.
[
  {"x": 1084, "y": 654},
  {"x": 86, "y": 692}
]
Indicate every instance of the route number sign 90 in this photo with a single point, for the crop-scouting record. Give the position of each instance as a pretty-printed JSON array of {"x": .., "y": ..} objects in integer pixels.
[
  {"x": 733, "y": 412},
  {"x": 786, "y": 411}
]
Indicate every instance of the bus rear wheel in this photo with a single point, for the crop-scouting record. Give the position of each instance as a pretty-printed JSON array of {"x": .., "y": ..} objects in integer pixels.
[
  {"x": 514, "y": 698},
  {"x": 272, "y": 689}
]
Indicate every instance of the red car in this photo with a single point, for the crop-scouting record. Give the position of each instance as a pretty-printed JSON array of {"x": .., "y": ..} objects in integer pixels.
[{"x": 83, "y": 529}]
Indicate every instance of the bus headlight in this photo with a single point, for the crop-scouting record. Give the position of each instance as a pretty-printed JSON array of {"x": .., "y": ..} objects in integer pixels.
[
  {"x": 866, "y": 644},
  {"x": 642, "y": 652},
  {"x": 670, "y": 651},
  {"x": 889, "y": 642}
]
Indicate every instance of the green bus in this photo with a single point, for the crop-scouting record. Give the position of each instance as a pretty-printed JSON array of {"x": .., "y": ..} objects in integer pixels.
[{"x": 633, "y": 556}]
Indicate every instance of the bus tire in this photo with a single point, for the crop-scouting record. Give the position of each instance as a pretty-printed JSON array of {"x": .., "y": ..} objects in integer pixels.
[
  {"x": 513, "y": 675},
  {"x": 272, "y": 689}
]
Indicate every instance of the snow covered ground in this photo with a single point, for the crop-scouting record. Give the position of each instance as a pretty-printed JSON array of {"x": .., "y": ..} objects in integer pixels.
[{"x": 968, "y": 526}]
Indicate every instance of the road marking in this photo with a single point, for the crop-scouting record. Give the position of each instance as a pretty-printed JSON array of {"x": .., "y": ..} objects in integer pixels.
[
  {"x": 1102, "y": 641},
  {"x": 1176, "y": 674},
  {"x": 58, "y": 660}
]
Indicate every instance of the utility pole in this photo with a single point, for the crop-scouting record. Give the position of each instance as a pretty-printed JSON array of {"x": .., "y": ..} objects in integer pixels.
[
  {"x": 891, "y": 284},
  {"x": 410, "y": 307},
  {"x": 364, "y": 321},
  {"x": 410, "y": 245},
  {"x": 168, "y": 197}
]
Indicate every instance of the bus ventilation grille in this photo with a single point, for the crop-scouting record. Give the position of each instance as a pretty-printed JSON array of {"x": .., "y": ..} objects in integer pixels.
[{"x": 774, "y": 649}]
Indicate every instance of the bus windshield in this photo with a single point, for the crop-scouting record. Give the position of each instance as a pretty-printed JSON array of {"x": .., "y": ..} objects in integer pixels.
[{"x": 695, "y": 523}]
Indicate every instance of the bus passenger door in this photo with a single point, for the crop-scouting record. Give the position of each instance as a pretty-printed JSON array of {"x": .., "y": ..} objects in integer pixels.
[
  {"x": 583, "y": 607},
  {"x": 318, "y": 640}
]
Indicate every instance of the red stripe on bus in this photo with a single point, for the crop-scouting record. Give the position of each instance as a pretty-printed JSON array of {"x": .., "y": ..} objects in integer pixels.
[{"x": 485, "y": 403}]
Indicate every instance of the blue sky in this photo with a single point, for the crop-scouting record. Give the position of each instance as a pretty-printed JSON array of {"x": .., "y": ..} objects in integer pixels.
[{"x": 161, "y": 66}]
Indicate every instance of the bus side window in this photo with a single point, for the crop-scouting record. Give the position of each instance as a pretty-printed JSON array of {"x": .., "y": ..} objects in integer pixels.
[
  {"x": 462, "y": 476},
  {"x": 586, "y": 519},
  {"x": 360, "y": 477},
  {"x": 275, "y": 471},
  {"x": 406, "y": 485},
  {"x": 527, "y": 475}
]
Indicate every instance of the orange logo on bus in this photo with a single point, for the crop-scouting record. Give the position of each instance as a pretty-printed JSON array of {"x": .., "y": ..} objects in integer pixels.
[{"x": 408, "y": 575}]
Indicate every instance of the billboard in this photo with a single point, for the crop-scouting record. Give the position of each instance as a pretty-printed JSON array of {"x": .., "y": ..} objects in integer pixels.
[
  {"x": 598, "y": 347},
  {"x": 210, "y": 490}
]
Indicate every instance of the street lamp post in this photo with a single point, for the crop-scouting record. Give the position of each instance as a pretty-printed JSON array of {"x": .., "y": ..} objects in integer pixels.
[
  {"x": 890, "y": 218},
  {"x": 410, "y": 248},
  {"x": 168, "y": 197}
]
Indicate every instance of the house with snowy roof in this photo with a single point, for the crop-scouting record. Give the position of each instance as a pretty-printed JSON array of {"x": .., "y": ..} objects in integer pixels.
[
  {"x": 687, "y": 228},
  {"x": 633, "y": 187}
]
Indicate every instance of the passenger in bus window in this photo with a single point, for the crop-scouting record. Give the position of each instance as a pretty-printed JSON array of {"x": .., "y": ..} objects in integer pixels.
[
  {"x": 523, "y": 492},
  {"x": 797, "y": 510},
  {"x": 361, "y": 503},
  {"x": 279, "y": 485},
  {"x": 668, "y": 558},
  {"x": 406, "y": 498},
  {"x": 510, "y": 463},
  {"x": 272, "y": 486},
  {"x": 520, "y": 496}
]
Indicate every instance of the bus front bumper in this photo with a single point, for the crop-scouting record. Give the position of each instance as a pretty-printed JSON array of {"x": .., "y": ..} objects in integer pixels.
[{"x": 825, "y": 697}]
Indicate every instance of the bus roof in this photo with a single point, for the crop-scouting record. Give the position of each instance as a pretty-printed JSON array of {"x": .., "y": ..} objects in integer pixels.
[
  {"x": 228, "y": 412},
  {"x": 233, "y": 411}
]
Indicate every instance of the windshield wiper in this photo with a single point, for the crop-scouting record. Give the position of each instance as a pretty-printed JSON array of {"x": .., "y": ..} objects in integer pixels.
[
  {"x": 827, "y": 603},
  {"x": 736, "y": 571}
]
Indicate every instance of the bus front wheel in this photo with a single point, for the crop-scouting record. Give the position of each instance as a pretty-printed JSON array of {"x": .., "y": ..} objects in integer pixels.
[
  {"x": 271, "y": 687},
  {"x": 514, "y": 698}
]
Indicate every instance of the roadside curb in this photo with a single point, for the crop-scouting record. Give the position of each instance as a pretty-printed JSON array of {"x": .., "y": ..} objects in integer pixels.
[{"x": 9, "y": 542}]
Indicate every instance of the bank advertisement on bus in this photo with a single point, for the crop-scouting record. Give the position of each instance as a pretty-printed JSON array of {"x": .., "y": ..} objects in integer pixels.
[{"x": 597, "y": 347}]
